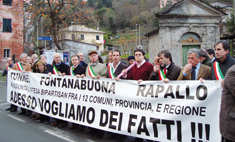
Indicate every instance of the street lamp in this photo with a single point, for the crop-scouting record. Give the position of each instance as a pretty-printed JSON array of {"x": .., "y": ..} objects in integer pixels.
[
  {"x": 71, "y": 30},
  {"x": 139, "y": 34}
]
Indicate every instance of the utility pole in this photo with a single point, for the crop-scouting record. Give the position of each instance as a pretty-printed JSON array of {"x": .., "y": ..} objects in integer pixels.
[
  {"x": 233, "y": 45},
  {"x": 233, "y": 16},
  {"x": 37, "y": 33},
  {"x": 139, "y": 34},
  {"x": 136, "y": 34},
  {"x": 130, "y": 24},
  {"x": 42, "y": 28},
  {"x": 71, "y": 29}
]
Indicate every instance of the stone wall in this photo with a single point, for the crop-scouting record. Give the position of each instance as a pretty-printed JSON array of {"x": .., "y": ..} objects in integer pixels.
[
  {"x": 154, "y": 46},
  {"x": 169, "y": 36}
]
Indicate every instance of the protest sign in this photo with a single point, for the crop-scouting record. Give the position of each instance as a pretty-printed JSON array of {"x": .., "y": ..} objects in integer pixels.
[{"x": 175, "y": 111}]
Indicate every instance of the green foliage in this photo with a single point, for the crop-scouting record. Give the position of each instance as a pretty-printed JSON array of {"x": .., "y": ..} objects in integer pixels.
[
  {"x": 156, "y": 22},
  {"x": 230, "y": 23},
  {"x": 100, "y": 12},
  {"x": 91, "y": 3},
  {"x": 100, "y": 5},
  {"x": 111, "y": 23},
  {"x": 106, "y": 38}
]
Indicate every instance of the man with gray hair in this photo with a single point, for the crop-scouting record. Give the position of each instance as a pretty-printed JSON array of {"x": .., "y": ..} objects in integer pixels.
[
  {"x": 22, "y": 66},
  {"x": 194, "y": 70},
  {"x": 82, "y": 63}
]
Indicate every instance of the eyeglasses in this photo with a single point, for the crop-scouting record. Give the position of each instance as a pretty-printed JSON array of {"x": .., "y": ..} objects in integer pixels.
[{"x": 138, "y": 54}]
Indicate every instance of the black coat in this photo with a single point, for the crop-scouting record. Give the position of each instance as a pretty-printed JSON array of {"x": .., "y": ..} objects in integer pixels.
[
  {"x": 227, "y": 106},
  {"x": 4, "y": 72},
  {"x": 34, "y": 67},
  {"x": 45, "y": 72},
  {"x": 207, "y": 62},
  {"x": 78, "y": 70},
  {"x": 173, "y": 72},
  {"x": 84, "y": 64},
  {"x": 49, "y": 68},
  {"x": 119, "y": 69},
  {"x": 224, "y": 66},
  {"x": 63, "y": 68}
]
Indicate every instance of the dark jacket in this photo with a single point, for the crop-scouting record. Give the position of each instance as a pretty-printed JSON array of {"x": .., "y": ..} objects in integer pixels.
[
  {"x": 45, "y": 72},
  {"x": 83, "y": 64},
  {"x": 34, "y": 67},
  {"x": 78, "y": 70},
  {"x": 49, "y": 68},
  {"x": 119, "y": 69},
  {"x": 63, "y": 68},
  {"x": 173, "y": 72},
  {"x": 4, "y": 72},
  {"x": 227, "y": 108},
  {"x": 207, "y": 62},
  {"x": 224, "y": 66}
]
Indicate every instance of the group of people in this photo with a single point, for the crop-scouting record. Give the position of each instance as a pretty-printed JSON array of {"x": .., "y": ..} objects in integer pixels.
[{"x": 210, "y": 64}]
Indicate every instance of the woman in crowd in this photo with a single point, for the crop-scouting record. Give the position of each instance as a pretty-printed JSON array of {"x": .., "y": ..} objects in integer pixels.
[{"x": 41, "y": 68}]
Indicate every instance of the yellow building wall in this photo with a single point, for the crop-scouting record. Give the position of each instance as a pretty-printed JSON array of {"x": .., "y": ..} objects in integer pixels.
[{"x": 88, "y": 38}]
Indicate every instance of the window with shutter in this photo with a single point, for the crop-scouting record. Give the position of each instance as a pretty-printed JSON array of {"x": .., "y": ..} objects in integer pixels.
[
  {"x": 6, "y": 53},
  {"x": 7, "y": 2},
  {"x": 82, "y": 37},
  {"x": 97, "y": 37},
  {"x": 73, "y": 37},
  {"x": 6, "y": 25}
]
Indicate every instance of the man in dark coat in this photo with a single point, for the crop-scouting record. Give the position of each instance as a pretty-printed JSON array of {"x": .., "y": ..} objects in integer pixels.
[
  {"x": 76, "y": 70},
  {"x": 204, "y": 58},
  {"x": 34, "y": 60},
  {"x": 166, "y": 65},
  {"x": 59, "y": 68},
  {"x": 223, "y": 60},
  {"x": 211, "y": 54},
  {"x": 9, "y": 65},
  {"x": 82, "y": 63},
  {"x": 227, "y": 108},
  {"x": 48, "y": 66},
  {"x": 116, "y": 66}
]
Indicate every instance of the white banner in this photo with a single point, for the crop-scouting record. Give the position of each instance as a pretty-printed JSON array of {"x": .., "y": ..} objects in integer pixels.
[{"x": 175, "y": 111}]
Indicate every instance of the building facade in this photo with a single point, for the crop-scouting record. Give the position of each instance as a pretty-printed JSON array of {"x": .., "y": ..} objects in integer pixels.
[
  {"x": 71, "y": 46},
  {"x": 83, "y": 34},
  {"x": 11, "y": 25},
  {"x": 187, "y": 24}
]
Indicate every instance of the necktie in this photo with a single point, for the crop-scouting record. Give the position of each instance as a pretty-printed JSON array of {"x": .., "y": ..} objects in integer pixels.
[{"x": 193, "y": 74}]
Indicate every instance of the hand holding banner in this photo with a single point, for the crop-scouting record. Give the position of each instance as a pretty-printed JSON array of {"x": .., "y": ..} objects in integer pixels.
[{"x": 127, "y": 69}]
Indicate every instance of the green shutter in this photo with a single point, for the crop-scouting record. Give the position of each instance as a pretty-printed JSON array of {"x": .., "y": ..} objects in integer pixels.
[
  {"x": 5, "y": 22},
  {"x": 9, "y": 25}
]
